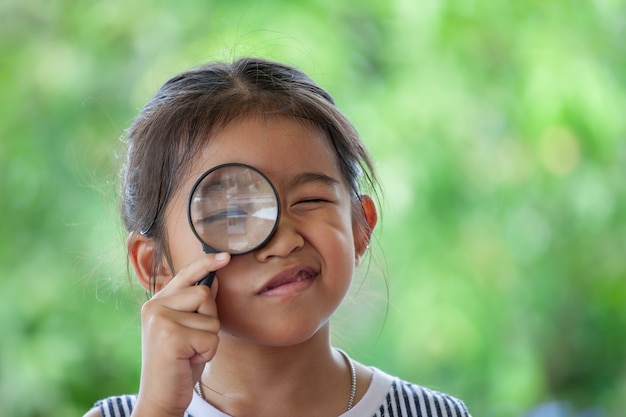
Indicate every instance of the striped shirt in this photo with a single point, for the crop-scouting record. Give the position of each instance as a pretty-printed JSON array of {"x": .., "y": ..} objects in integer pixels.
[{"x": 386, "y": 396}]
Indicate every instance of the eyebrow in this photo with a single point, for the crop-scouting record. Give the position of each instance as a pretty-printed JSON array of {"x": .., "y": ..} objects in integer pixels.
[{"x": 313, "y": 177}]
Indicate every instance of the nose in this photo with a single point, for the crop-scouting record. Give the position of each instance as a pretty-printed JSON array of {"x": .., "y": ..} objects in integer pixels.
[{"x": 286, "y": 240}]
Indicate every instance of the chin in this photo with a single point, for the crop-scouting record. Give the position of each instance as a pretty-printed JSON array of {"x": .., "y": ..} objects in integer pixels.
[{"x": 281, "y": 335}]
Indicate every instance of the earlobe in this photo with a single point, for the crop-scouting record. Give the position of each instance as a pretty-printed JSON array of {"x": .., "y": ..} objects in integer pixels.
[
  {"x": 141, "y": 253},
  {"x": 364, "y": 229}
]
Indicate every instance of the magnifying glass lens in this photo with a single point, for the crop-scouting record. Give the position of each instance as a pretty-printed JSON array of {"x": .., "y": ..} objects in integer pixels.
[{"x": 233, "y": 208}]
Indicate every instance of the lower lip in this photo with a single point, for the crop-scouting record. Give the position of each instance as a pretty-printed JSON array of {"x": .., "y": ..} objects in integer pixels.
[{"x": 289, "y": 289}]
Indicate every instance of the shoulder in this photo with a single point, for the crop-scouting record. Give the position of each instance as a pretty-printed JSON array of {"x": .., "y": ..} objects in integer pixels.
[
  {"x": 408, "y": 399},
  {"x": 121, "y": 406},
  {"x": 390, "y": 396},
  {"x": 94, "y": 412},
  {"x": 118, "y": 406}
]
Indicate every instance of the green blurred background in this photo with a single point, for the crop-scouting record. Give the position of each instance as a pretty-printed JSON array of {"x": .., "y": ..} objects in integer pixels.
[{"x": 499, "y": 128}]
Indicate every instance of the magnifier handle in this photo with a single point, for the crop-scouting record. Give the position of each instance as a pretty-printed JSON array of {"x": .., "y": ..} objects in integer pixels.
[{"x": 208, "y": 280}]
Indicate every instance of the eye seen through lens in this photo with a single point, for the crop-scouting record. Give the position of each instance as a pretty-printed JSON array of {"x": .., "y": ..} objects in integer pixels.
[{"x": 233, "y": 208}]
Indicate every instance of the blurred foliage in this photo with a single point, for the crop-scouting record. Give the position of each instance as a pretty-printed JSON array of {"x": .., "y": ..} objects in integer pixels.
[{"x": 500, "y": 136}]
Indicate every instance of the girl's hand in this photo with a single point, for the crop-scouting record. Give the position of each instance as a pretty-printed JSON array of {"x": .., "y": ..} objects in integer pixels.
[{"x": 179, "y": 336}]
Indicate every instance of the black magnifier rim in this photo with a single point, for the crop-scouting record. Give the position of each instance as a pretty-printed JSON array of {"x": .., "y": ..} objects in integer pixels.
[{"x": 205, "y": 246}]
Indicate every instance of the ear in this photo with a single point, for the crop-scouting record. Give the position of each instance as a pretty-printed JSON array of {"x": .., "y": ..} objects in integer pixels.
[
  {"x": 142, "y": 254},
  {"x": 363, "y": 229}
]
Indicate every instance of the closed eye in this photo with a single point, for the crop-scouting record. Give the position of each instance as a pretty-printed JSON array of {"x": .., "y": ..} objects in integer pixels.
[
  {"x": 313, "y": 200},
  {"x": 309, "y": 204}
]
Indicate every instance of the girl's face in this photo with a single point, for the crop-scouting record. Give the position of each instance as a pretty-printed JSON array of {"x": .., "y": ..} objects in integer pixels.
[{"x": 282, "y": 293}]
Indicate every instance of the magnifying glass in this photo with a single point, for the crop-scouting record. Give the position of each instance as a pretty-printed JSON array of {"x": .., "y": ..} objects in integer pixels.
[{"x": 232, "y": 208}]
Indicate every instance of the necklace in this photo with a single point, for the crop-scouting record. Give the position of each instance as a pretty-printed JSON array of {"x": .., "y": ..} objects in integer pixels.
[
  {"x": 200, "y": 391},
  {"x": 352, "y": 378}
]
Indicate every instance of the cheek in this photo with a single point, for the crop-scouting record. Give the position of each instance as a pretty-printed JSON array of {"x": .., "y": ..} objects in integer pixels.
[
  {"x": 184, "y": 247},
  {"x": 342, "y": 241},
  {"x": 234, "y": 291},
  {"x": 234, "y": 279}
]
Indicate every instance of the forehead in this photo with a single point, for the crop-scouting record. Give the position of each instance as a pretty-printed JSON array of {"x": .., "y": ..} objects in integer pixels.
[{"x": 279, "y": 146}]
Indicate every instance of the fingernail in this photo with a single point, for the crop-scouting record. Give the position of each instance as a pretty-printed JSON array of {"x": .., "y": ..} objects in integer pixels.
[{"x": 222, "y": 256}]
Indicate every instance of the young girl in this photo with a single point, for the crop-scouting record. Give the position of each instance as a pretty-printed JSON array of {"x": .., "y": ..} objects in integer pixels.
[{"x": 256, "y": 342}]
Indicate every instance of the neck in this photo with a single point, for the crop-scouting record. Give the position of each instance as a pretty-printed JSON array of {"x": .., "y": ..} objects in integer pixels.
[{"x": 244, "y": 377}]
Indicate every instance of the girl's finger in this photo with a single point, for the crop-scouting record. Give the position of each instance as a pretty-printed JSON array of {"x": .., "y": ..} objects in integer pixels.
[
  {"x": 195, "y": 271},
  {"x": 163, "y": 321},
  {"x": 197, "y": 298}
]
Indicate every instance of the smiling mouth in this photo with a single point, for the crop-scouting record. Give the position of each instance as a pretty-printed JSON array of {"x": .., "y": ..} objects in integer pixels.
[{"x": 299, "y": 276}]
